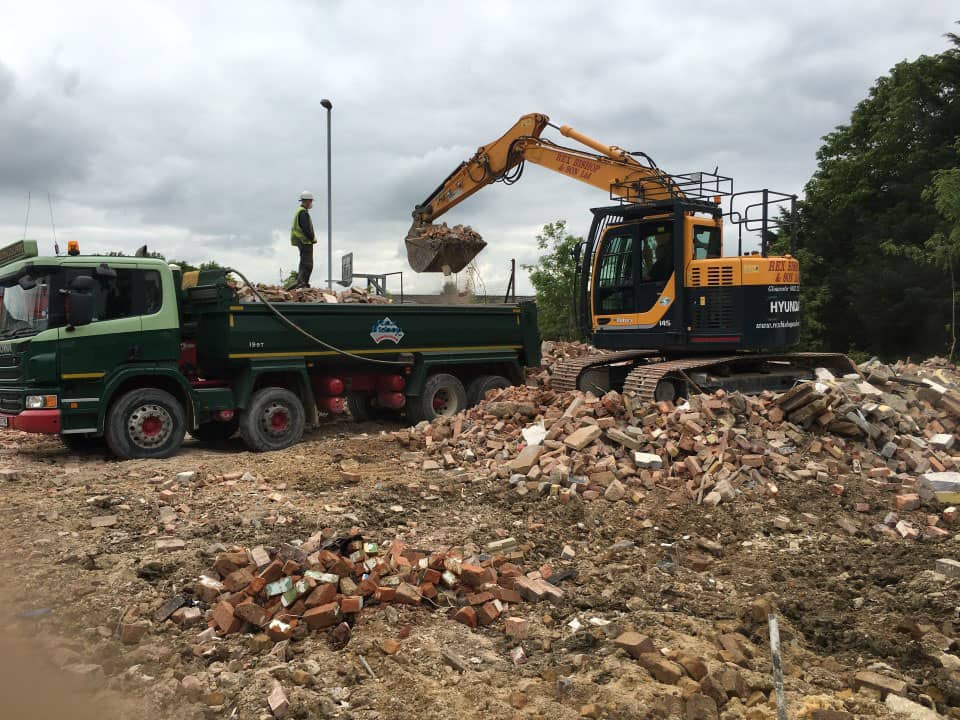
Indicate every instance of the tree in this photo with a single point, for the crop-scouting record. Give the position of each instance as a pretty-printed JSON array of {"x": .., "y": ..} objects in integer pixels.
[
  {"x": 553, "y": 279},
  {"x": 868, "y": 216},
  {"x": 943, "y": 247}
]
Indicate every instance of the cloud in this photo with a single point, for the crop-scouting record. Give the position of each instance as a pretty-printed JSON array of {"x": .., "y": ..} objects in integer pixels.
[{"x": 195, "y": 129}]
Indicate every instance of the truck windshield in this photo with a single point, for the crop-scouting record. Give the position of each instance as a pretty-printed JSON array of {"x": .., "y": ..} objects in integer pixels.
[{"x": 24, "y": 312}]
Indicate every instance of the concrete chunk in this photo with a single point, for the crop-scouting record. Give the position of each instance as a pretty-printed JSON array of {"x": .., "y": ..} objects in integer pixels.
[{"x": 579, "y": 439}]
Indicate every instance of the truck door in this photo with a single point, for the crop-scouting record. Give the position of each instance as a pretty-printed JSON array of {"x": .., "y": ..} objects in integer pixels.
[{"x": 90, "y": 352}]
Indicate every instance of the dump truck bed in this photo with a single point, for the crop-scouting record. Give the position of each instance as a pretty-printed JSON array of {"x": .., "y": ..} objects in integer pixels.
[{"x": 237, "y": 333}]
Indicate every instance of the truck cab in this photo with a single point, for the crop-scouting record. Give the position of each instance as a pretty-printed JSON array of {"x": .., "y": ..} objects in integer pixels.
[{"x": 76, "y": 329}]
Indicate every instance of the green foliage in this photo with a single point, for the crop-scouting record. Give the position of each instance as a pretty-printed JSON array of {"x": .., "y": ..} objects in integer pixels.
[
  {"x": 553, "y": 279},
  {"x": 872, "y": 232}
]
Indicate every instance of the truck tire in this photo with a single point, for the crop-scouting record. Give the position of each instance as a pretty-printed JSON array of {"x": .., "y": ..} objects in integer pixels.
[
  {"x": 215, "y": 432},
  {"x": 479, "y": 386},
  {"x": 443, "y": 395},
  {"x": 273, "y": 420},
  {"x": 145, "y": 423}
]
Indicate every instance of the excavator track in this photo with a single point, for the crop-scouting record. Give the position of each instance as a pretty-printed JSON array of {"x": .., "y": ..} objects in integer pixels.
[
  {"x": 566, "y": 373},
  {"x": 643, "y": 379},
  {"x": 652, "y": 369}
]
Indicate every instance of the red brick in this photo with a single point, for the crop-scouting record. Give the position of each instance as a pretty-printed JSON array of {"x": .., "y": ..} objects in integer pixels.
[
  {"x": 256, "y": 586},
  {"x": 272, "y": 572},
  {"x": 466, "y": 615},
  {"x": 322, "y": 616},
  {"x": 385, "y": 594},
  {"x": 252, "y": 613},
  {"x": 132, "y": 633},
  {"x": 407, "y": 594},
  {"x": 505, "y": 594},
  {"x": 488, "y": 613},
  {"x": 343, "y": 567},
  {"x": 428, "y": 590},
  {"x": 224, "y": 618},
  {"x": 635, "y": 644},
  {"x": 516, "y": 628},
  {"x": 321, "y": 595},
  {"x": 291, "y": 567},
  {"x": 229, "y": 562},
  {"x": 908, "y": 501},
  {"x": 238, "y": 580},
  {"x": 351, "y": 604},
  {"x": 754, "y": 461},
  {"x": 430, "y": 576},
  {"x": 837, "y": 489},
  {"x": 279, "y": 630},
  {"x": 480, "y": 598},
  {"x": 367, "y": 587},
  {"x": 474, "y": 575},
  {"x": 390, "y": 646}
]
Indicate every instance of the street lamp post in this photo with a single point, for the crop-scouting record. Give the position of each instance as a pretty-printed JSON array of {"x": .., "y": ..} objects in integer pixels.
[{"x": 329, "y": 106}]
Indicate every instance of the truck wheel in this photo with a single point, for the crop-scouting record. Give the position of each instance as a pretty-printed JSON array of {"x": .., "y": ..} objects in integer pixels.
[
  {"x": 478, "y": 387},
  {"x": 145, "y": 423},
  {"x": 273, "y": 420},
  {"x": 215, "y": 432},
  {"x": 443, "y": 395}
]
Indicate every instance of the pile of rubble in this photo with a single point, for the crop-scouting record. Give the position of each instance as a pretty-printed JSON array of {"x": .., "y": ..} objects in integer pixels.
[
  {"x": 327, "y": 581},
  {"x": 894, "y": 427},
  {"x": 274, "y": 294},
  {"x": 440, "y": 248}
]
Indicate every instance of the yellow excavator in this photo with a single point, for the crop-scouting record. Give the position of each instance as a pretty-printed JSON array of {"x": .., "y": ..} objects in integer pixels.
[{"x": 653, "y": 286}]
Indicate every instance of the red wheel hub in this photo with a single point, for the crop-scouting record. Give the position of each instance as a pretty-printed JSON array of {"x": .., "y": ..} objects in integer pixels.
[
  {"x": 151, "y": 426},
  {"x": 279, "y": 421}
]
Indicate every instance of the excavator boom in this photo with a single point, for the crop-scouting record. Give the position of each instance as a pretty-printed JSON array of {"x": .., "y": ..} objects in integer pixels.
[{"x": 432, "y": 248}]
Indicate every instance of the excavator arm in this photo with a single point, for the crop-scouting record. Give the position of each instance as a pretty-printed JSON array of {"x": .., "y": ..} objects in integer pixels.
[{"x": 436, "y": 248}]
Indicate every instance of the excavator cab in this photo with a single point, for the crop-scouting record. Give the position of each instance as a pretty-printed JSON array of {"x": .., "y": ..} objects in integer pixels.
[{"x": 654, "y": 276}]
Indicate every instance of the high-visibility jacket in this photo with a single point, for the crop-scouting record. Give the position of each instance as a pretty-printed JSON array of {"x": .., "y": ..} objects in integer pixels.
[{"x": 297, "y": 236}]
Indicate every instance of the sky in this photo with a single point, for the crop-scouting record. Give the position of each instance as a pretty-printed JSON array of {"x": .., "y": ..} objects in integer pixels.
[{"x": 192, "y": 127}]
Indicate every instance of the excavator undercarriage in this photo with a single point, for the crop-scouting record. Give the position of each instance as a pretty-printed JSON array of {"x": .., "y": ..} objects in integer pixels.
[{"x": 653, "y": 376}]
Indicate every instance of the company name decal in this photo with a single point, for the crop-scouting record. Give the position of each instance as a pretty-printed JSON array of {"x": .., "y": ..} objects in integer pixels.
[
  {"x": 386, "y": 329},
  {"x": 784, "y": 306}
]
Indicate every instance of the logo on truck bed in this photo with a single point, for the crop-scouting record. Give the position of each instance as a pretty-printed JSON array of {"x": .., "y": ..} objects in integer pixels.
[{"x": 386, "y": 329}]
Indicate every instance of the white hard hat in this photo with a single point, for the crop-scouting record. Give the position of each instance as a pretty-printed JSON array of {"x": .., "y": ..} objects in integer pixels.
[{"x": 306, "y": 195}]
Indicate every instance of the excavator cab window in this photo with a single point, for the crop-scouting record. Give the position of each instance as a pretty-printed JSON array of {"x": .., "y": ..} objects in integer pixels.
[
  {"x": 656, "y": 240},
  {"x": 706, "y": 242},
  {"x": 615, "y": 278}
]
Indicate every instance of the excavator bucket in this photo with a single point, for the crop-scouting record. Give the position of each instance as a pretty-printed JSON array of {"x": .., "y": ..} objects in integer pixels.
[{"x": 439, "y": 248}]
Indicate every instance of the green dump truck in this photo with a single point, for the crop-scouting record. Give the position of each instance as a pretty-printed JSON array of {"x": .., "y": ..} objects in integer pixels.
[{"x": 129, "y": 351}]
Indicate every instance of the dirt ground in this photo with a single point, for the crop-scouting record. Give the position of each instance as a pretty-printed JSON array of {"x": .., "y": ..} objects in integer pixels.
[{"x": 845, "y": 603}]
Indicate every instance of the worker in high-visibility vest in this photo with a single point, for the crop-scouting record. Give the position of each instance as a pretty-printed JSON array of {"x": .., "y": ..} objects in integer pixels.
[{"x": 301, "y": 235}]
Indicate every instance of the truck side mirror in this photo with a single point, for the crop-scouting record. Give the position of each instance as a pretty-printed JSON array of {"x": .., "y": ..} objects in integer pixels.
[{"x": 81, "y": 299}]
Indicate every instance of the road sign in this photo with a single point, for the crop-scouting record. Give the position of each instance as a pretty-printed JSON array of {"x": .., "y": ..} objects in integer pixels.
[{"x": 346, "y": 269}]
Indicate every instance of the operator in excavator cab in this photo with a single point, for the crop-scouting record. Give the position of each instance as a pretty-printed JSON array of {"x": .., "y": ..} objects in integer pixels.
[{"x": 303, "y": 237}]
